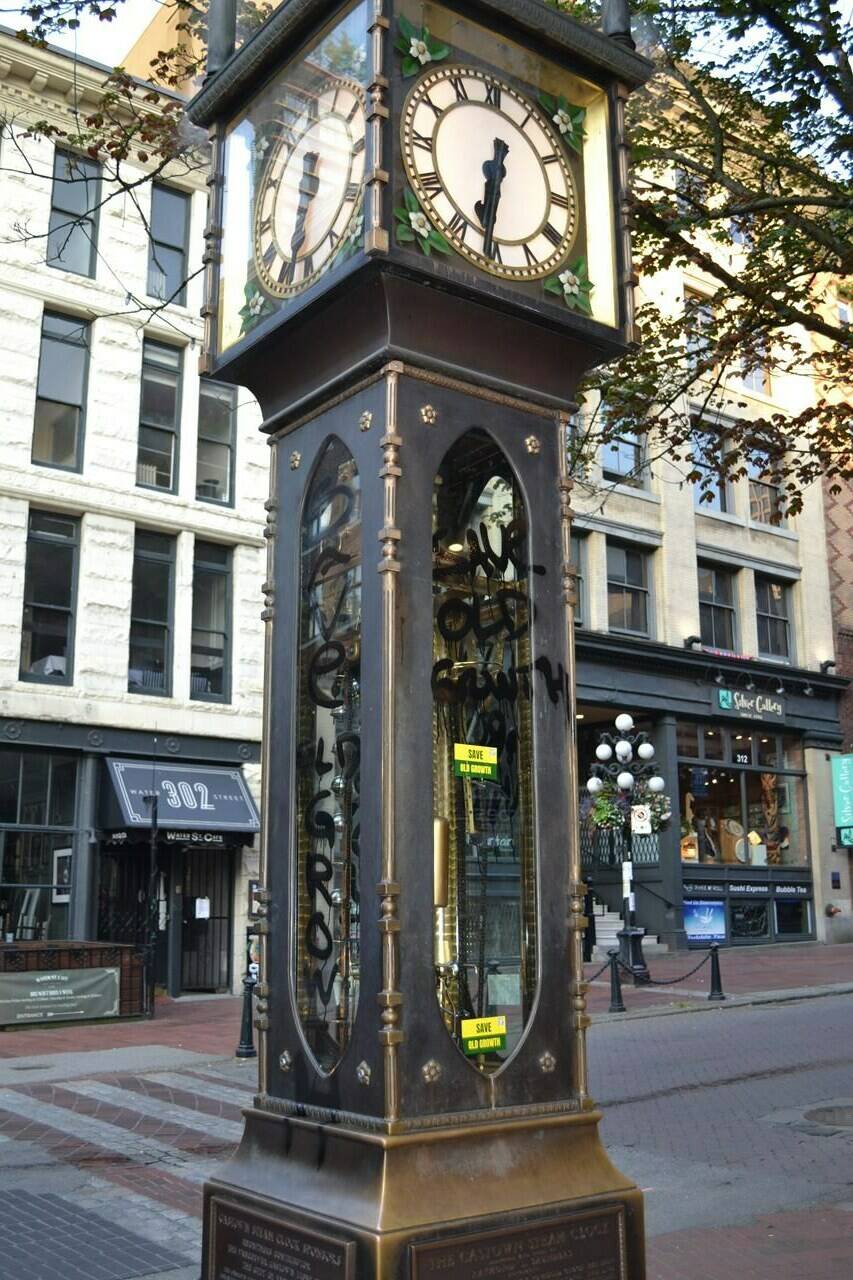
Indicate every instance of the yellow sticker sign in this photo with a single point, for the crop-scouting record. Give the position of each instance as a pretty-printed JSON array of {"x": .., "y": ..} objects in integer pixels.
[
  {"x": 480, "y": 1035},
  {"x": 471, "y": 761}
]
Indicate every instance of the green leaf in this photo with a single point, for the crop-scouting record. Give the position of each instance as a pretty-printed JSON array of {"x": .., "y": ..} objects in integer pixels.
[
  {"x": 548, "y": 103},
  {"x": 438, "y": 242},
  {"x": 411, "y": 201},
  {"x": 410, "y": 67},
  {"x": 401, "y": 45},
  {"x": 436, "y": 48},
  {"x": 553, "y": 285},
  {"x": 406, "y": 28},
  {"x": 402, "y": 214},
  {"x": 405, "y": 233},
  {"x": 425, "y": 246}
]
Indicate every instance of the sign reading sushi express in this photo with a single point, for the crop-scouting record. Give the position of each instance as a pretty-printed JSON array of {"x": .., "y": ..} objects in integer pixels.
[
  {"x": 483, "y": 1035},
  {"x": 475, "y": 762}
]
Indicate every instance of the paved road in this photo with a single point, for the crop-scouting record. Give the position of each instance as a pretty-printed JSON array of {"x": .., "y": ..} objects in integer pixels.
[{"x": 711, "y": 1113}]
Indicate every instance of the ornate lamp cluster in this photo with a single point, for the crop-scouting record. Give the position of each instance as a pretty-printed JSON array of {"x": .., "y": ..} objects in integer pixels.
[{"x": 624, "y": 758}]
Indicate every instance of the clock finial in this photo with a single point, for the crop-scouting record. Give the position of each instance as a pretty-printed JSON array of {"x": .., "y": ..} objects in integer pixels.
[{"x": 616, "y": 21}]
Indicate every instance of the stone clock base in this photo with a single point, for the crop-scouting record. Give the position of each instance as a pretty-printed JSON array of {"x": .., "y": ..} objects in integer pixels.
[{"x": 525, "y": 1199}]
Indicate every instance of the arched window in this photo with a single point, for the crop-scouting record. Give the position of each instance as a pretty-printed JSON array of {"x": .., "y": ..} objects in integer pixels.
[
  {"x": 327, "y": 757},
  {"x": 483, "y": 793}
]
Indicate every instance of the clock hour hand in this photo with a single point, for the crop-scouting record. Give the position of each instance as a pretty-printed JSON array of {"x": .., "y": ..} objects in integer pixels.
[
  {"x": 486, "y": 209},
  {"x": 309, "y": 184}
]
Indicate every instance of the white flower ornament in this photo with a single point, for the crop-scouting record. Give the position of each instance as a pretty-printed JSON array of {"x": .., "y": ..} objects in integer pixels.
[
  {"x": 261, "y": 147},
  {"x": 256, "y": 305},
  {"x": 563, "y": 121},
  {"x": 571, "y": 284},
  {"x": 419, "y": 50},
  {"x": 420, "y": 226}
]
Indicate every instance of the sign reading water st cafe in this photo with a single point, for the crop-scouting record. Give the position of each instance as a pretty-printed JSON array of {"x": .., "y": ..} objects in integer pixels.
[{"x": 743, "y": 704}]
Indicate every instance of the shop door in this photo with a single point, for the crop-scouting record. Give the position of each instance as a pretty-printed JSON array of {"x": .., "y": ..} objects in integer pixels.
[{"x": 207, "y": 898}]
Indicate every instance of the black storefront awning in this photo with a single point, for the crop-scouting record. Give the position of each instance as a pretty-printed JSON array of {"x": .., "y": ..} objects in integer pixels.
[{"x": 190, "y": 798}]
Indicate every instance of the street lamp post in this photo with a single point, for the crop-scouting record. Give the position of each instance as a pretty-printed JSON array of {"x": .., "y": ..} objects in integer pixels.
[{"x": 624, "y": 759}]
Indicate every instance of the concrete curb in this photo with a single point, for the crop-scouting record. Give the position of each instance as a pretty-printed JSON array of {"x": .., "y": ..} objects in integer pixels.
[{"x": 703, "y": 1005}]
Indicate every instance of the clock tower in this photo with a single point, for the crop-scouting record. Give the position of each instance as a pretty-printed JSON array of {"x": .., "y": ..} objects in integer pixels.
[{"x": 418, "y": 243}]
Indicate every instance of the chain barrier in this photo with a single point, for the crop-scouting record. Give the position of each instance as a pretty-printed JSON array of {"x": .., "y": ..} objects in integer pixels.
[
  {"x": 666, "y": 982},
  {"x": 592, "y": 977}
]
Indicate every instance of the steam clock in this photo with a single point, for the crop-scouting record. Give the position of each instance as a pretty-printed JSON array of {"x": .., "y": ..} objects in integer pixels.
[{"x": 417, "y": 244}]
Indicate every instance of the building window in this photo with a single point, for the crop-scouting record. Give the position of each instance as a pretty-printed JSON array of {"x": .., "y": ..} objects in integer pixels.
[
  {"x": 73, "y": 227},
  {"x": 765, "y": 494},
  {"x": 47, "y": 631},
  {"x": 157, "y": 455},
  {"x": 210, "y": 661},
  {"x": 150, "y": 662},
  {"x": 61, "y": 392},
  {"x": 167, "y": 246},
  {"x": 774, "y": 627},
  {"x": 627, "y": 589},
  {"x": 622, "y": 460},
  {"x": 740, "y": 230},
  {"x": 710, "y": 490},
  {"x": 699, "y": 312},
  {"x": 748, "y": 812},
  {"x": 37, "y": 793},
  {"x": 755, "y": 373},
  {"x": 845, "y": 312},
  {"x": 577, "y": 564},
  {"x": 716, "y": 607},
  {"x": 217, "y": 418}
]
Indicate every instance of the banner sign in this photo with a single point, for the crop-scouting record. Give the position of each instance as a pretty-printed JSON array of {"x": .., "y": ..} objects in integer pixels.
[
  {"x": 842, "y": 798},
  {"x": 767, "y": 707},
  {"x": 63, "y": 994},
  {"x": 481, "y": 1035}
]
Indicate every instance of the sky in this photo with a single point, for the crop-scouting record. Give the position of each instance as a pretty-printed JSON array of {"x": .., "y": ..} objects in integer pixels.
[{"x": 105, "y": 42}]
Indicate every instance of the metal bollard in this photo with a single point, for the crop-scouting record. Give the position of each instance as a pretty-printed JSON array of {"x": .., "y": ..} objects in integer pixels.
[
  {"x": 716, "y": 992},
  {"x": 246, "y": 1047},
  {"x": 616, "y": 1005}
]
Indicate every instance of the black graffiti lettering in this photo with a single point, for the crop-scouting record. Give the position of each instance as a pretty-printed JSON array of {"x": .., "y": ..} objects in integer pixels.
[
  {"x": 327, "y": 558},
  {"x": 318, "y": 876},
  {"x": 320, "y": 825},
  {"x": 348, "y": 752},
  {"x": 555, "y": 684},
  {"x": 324, "y": 990},
  {"x": 493, "y": 563},
  {"x": 314, "y": 929},
  {"x": 456, "y": 617},
  {"x": 326, "y": 660},
  {"x": 478, "y": 684},
  {"x": 321, "y": 765}
]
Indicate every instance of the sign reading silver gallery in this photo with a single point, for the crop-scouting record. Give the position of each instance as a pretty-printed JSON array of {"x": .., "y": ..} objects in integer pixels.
[
  {"x": 56, "y": 996},
  {"x": 750, "y": 705}
]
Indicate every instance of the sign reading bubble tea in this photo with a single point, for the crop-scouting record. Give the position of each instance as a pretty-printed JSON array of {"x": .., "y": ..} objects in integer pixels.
[
  {"x": 483, "y": 1035},
  {"x": 475, "y": 762}
]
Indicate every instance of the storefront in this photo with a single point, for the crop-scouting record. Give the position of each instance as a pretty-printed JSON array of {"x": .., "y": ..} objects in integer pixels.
[
  {"x": 76, "y": 845},
  {"x": 182, "y": 851},
  {"x": 741, "y": 860}
]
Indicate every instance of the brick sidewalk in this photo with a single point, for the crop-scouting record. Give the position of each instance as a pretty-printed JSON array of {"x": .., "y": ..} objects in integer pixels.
[
  {"x": 746, "y": 971},
  {"x": 210, "y": 1026}
]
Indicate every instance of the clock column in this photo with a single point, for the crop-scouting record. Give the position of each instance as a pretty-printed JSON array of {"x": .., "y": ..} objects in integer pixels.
[{"x": 423, "y": 1104}]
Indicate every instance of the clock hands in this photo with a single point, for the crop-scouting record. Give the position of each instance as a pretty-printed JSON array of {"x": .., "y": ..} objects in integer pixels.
[
  {"x": 309, "y": 184},
  {"x": 486, "y": 209}
]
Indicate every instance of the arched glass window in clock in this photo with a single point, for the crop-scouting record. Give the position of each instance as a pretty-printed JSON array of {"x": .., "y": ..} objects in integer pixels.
[
  {"x": 328, "y": 751},
  {"x": 294, "y": 179},
  {"x": 485, "y": 895}
]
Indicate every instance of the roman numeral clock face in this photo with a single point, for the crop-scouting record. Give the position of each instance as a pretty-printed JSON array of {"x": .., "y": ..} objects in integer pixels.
[
  {"x": 309, "y": 193},
  {"x": 490, "y": 172}
]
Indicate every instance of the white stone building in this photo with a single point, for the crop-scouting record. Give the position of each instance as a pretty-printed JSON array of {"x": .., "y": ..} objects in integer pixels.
[{"x": 132, "y": 507}]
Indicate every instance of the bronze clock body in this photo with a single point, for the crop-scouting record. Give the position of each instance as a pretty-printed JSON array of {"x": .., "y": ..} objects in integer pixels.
[{"x": 418, "y": 245}]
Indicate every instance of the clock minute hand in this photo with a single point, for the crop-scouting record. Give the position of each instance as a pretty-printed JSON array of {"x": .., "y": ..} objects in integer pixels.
[
  {"x": 486, "y": 209},
  {"x": 309, "y": 184}
]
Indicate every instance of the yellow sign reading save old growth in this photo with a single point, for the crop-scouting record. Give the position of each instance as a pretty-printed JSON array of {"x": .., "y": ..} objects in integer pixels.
[
  {"x": 474, "y": 761},
  {"x": 482, "y": 1035}
]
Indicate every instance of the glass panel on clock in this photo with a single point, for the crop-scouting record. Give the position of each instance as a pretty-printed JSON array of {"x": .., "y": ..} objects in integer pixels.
[
  {"x": 483, "y": 794},
  {"x": 294, "y": 179},
  {"x": 327, "y": 916}
]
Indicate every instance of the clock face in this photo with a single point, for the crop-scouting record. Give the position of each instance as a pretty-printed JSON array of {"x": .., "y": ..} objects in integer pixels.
[
  {"x": 490, "y": 172},
  {"x": 310, "y": 190}
]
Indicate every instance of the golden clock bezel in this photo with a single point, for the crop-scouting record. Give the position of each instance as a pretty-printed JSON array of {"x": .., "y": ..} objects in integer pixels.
[
  {"x": 270, "y": 286},
  {"x": 503, "y": 271}
]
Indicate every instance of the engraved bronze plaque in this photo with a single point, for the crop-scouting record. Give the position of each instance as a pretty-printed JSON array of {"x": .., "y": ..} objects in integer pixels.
[
  {"x": 575, "y": 1246},
  {"x": 245, "y": 1245}
]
